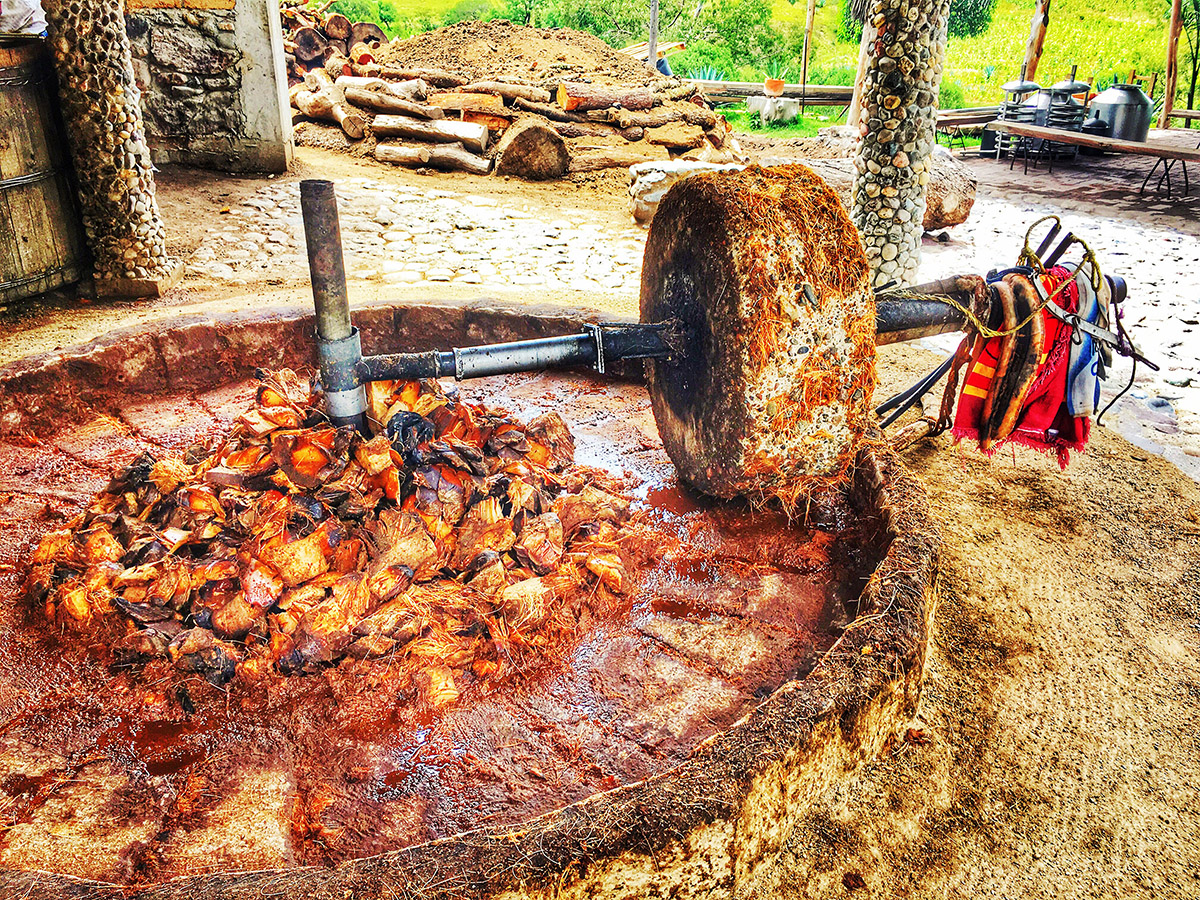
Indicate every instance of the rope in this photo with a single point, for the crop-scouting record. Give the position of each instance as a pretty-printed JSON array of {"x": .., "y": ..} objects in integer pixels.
[{"x": 1029, "y": 258}]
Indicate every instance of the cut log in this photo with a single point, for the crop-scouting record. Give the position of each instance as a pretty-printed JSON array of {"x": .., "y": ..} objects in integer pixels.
[
  {"x": 461, "y": 100},
  {"x": 366, "y": 70},
  {"x": 361, "y": 54},
  {"x": 509, "y": 92},
  {"x": 436, "y": 77},
  {"x": 532, "y": 149},
  {"x": 473, "y": 136},
  {"x": 582, "y": 97},
  {"x": 716, "y": 137},
  {"x": 550, "y": 111},
  {"x": 680, "y": 91},
  {"x": 384, "y": 102},
  {"x": 452, "y": 157},
  {"x": 487, "y": 120},
  {"x": 310, "y": 44},
  {"x": 615, "y": 157},
  {"x": 337, "y": 65},
  {"x": 597, "y": 129},
  {"x": 337, "y": 46},
  {"x": 328, "y": 105},
  {"x": 686, "y": 112},
  {"x": 322, "y": 99},
  {"x": 676, "y": 134},
  {"x": 337, "y": 27},
  {"x": 318, "y": 80},
  {"x": 402, "y": 156},
  {"x": 406, "y": 90},
  {"x": 294, "y": 70},
  {"x": 366, "y": 33}
]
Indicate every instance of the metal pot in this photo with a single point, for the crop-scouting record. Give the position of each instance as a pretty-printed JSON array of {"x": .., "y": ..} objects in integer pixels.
[
  {"x": 1126, "y": 109},
  {"x": 1096, "y": 127}
]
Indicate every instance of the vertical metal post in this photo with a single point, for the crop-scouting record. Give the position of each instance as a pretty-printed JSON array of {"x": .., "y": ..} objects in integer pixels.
[{"x": 338, "y": 346}]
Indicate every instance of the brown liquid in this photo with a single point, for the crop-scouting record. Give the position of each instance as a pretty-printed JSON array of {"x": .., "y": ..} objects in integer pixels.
[{"x": 629, "y": 697}]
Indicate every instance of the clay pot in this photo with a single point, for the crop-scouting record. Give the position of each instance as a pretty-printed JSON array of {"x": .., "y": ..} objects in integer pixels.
[{"x": 773, "y": 87}]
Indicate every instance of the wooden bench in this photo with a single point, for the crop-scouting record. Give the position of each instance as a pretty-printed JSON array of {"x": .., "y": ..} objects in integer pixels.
[
  {"x": 809, "y": 95},
  {"x": 1191, "y": 115},
  {"x": 952, "y": 122},
  {"x": 1166, "y": 155}
]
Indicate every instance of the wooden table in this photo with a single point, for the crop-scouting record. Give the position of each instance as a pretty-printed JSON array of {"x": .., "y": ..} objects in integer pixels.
[
  {"x": 1167, "y": 155},
  {"x": 951, "y": 122}
]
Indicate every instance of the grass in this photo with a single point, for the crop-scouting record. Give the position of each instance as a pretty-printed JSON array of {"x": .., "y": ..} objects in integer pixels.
[
  {"x": 815, "y": 118},
  {"x": 416, "y": 9},
  {"x": 1102, "y": 40}
]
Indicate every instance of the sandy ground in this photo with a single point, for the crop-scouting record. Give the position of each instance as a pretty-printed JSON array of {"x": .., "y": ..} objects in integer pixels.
[{"x": 1056, "y": 753}]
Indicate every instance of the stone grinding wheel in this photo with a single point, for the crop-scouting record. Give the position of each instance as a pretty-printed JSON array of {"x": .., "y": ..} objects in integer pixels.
[{"x": 770, "y": 392}]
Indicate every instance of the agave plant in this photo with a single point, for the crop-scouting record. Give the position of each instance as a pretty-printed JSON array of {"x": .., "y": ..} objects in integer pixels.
[
  {"x": 706, "y": 73},
  {"x": 776, "y": 68}
]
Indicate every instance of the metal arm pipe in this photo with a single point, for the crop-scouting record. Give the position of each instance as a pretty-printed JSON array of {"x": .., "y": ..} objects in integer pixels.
[
  {"x": 338, "y": 344},
  {"x": 479, "y": 362},
  {"x": 326, "y": 267},
  {"x": 907, "y": 318}
]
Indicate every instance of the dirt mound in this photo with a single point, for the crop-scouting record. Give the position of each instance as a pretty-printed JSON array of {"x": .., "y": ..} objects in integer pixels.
[{"x": 492, "y": 51}]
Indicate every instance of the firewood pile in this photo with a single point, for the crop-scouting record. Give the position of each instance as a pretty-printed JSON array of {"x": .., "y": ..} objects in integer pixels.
[
  {"x": 482, "y": 97},
  {"x": 453, "y": 540}
]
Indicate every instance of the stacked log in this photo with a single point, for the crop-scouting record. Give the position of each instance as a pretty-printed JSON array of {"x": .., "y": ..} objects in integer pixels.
[
  {"x": 314, "y": 38},
  {"x": 430, "y": 118}
]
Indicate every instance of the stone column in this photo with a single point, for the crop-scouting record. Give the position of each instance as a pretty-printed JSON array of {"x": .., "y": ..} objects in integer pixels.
[
  {"x": 102, "y": 112},
  {"x": 899, "y": 106}
]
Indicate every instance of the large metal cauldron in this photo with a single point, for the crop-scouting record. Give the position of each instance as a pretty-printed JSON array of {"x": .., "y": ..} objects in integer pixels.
[{"x": 1126, "y": 109}]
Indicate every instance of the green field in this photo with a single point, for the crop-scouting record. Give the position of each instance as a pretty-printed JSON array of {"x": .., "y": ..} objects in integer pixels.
[
  {"x": 741, "y": 38},
  {"x": 1102, "y": 39}
]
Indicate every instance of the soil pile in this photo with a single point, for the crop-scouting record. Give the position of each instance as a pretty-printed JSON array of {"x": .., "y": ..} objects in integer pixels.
[{"x": 499, "y": 51}]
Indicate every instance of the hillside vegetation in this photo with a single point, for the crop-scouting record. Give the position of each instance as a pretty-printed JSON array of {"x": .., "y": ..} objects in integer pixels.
[{"x": 743, "y": 39}]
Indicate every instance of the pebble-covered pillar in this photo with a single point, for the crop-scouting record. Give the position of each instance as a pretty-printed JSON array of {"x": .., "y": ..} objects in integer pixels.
[
  {"x": 102, "y": 111},
  {"x": 899, "y": 106}
]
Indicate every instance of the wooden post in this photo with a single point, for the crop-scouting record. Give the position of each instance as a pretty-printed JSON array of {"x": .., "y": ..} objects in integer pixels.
[
  {"x": 1164, "y": 120},
  {"x": 808, "y": 26},
  {"x": 869, "y": 36},
  {"x": 1037, "y": 38},
  {"x": 652, "y": 50}
]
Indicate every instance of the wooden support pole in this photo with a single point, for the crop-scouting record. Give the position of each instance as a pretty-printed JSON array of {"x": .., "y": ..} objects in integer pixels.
[
  {"x": 652, "y": 49},
  {"x": 808, "y": 27},
  {"x": 1037, "y": 38},
  {"x": 869, "y": 36},
  {"x": 1173, "y": 31}
]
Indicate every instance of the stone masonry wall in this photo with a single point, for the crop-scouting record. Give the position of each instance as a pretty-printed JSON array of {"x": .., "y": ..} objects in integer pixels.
[{"x": 212, "y": 82}]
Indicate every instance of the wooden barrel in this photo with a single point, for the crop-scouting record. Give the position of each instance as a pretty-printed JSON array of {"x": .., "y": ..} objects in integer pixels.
[{"x": 41, "y": 232}]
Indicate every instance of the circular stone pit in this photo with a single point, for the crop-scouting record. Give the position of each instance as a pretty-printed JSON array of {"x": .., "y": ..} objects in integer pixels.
[{"x": 713, "y": 819}]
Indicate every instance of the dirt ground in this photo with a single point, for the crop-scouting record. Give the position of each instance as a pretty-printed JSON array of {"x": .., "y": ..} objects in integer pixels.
[{"x": 1057, "y": 752}]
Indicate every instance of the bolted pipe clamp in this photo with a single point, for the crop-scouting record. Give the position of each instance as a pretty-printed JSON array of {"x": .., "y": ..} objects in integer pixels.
[{"x": 345, "y": 396}]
